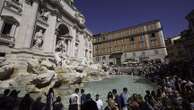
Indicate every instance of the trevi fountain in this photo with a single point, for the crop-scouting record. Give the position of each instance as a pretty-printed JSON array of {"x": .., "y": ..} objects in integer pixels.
[{"x": 44, "y": 44}]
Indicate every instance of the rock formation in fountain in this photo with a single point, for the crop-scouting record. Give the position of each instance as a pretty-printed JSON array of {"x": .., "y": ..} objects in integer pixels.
[{"x": 39, "y": 74}]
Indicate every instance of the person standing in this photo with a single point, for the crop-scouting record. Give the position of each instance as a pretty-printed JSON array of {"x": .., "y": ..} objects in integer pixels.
[
  {"x": 90, "y": 104},
  {"x": 57, "y": 105},
  {"x": 26, "y": 102},
  {"x": 124, "y": 99},
  {"x": 37, "y": 105},
  {"x": 111, "y": 103},
  {"x": 74, "y": 101},
  {"x": 83, "y": 97},
  {"x": 50, "y": 99},
  {"x": 99, "y": 102},
  {"x": 116, "y": 98}
]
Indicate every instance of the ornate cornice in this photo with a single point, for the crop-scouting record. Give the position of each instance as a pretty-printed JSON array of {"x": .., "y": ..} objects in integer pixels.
[{"x": 57, "y": 7}]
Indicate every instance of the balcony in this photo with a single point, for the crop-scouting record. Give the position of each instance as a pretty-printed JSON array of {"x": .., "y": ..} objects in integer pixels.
[
  {"x": 7, "y": 40},
  {"x": 14, "y": 5}
]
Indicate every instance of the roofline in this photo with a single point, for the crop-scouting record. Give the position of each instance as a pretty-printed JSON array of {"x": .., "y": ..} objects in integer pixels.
[{"x": 130, "y": 27}]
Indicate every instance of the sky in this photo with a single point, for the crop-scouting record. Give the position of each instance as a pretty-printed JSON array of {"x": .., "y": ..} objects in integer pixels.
[{"x": 111, "y": 15}]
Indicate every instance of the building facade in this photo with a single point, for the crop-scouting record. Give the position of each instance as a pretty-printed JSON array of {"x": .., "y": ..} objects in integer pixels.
[
  {"x": 138, "y": 43},
  {"x": 44, "y": 28},
  {"x": 181, "y": 48},
  {"x": 175, "y": 49},
  {"x": 190, "y": 19},
  {"x": 188, "y": 35}
]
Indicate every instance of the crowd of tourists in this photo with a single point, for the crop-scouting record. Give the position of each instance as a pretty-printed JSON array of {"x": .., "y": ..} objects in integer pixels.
[
  {"x": 173, "y": 94},
  {"x": 175, "y": 90},
  {"x": 9, "y": 100}
]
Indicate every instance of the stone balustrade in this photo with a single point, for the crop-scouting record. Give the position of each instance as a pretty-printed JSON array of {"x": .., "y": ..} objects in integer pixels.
[{"x": 7, "y": 39}]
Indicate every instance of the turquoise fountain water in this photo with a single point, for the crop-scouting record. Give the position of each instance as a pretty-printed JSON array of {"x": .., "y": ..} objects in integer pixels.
[{"x": 135, "y": 84}]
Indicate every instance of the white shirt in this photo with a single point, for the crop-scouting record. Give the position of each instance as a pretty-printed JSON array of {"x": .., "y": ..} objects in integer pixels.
[
  {"x": 99, "y": 104},
  {"x": 74, "y": 99}
]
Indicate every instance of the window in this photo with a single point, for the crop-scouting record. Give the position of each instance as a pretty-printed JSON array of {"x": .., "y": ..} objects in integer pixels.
[
  {"x": 132, "y": 45},
  {"x": 142, "y": 44},
  {"x": 76, "y": 49},
  {"x": 86, "y": 53},
  {"x": 142, "y": 41},
  {"x": 153, "y": 43},
  {"x": 153, "y": 35},
  {"x": 7, "y": 28},
  {"x": 132, "y": 39},
  {"x": 142, "y": 38},
  {"x": 2, "y": 54}
]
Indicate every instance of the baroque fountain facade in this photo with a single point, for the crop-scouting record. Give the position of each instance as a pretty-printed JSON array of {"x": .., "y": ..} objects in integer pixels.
[{"x": 43, "y": 44}]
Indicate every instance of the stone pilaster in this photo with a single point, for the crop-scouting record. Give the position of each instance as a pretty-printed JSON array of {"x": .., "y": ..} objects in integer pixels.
[
  {"x": 13, "y": 29},
  {"x": 1, "y": 24},
  {"x": 147, "y": 38},
  {"x": 73, "y": 34},
  {"x": 69, "y": 48},
  {"x": 162, "y": 42},
  {"x": 49, "y": 36},
  {"x": 26, "y": 27}
]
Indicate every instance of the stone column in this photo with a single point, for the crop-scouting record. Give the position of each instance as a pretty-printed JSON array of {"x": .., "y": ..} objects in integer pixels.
[
  {"x": 68, "y": 47},
  {"x": 1, "y": 24},
  {"x": 147, "y": 40},
  {"x": 71, "y": 48},
  {"x": 72, "y": 40},
  {"x": 12, "y": 32},
  {"x": 49, "y": 36}
]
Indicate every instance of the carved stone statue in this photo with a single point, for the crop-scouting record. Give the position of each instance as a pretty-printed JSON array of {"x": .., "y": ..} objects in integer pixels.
[
  {"x": 61, "y": 52},
  {"x": 60, "y": 58},
  {"x": 45, "y": 14},
  {"x": 61, "y": 45},
  {"x": 38, "y": 39}
]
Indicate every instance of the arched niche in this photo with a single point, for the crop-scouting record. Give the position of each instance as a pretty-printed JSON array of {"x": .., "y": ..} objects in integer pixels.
[
  {"x": 63, "y": 38},
  {"x": 62, "y": 30},
  {"x": 8, "y": 30}
]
